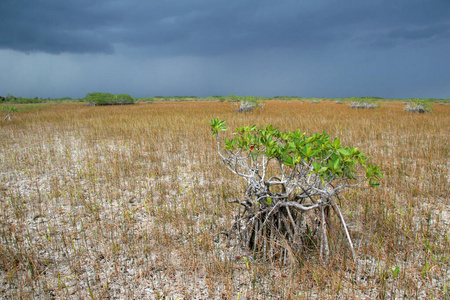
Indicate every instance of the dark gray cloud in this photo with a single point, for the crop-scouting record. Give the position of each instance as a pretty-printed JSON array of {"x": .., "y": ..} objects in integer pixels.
[
  {"x": 408, "y": 35},
  {"x": 52, "y": 27},
  {"x": 212, "y": 27},
  {"x": 327, "y": 48}
]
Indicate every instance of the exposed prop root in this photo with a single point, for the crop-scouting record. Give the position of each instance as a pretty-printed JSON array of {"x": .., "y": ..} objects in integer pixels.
[{"x": 287, "y": 230}]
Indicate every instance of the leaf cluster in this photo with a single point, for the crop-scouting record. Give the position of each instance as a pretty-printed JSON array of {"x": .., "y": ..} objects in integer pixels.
[
  {"x": 323, "y": 156},
  {"x": 9, "y": 109},
  {"x": 217, "y": 125}
]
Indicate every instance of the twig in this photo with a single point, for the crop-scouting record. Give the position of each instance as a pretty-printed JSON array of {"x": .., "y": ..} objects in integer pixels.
[{"x": 344, "y": 225}]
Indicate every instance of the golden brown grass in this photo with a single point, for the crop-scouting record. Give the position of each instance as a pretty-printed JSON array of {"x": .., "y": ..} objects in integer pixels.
[{"x": 127, "y": 202}]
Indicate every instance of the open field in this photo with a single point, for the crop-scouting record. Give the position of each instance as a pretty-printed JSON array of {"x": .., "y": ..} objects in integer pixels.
[{"x": 127, "y": 202}]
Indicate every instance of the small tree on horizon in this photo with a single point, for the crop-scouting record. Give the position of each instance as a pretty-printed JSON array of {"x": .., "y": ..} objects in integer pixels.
[
  {"x": 419, "y": 106},
  {"x": 100, "y": 98}
]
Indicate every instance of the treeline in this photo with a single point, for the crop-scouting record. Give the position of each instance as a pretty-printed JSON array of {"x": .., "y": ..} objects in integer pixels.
[
  {"x": 102, "y": 98},
  {"x": 21, "y": 100}
]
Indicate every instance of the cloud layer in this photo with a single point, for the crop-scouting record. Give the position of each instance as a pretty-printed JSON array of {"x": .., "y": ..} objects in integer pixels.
[{"x": 202, "y": 47}]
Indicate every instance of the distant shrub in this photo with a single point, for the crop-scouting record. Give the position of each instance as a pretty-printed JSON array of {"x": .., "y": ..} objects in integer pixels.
[
  {"x": 232, "y": 98},
  {"x": 377, "y": 98},
  {"x": 419, "y": 105},
  {"x": 364, "y": 103},
  {"x": 124, "y": 99},
  {"x": 146, "y": 100},
  {"x": 8, "y": 110},
  {"x": 99, "y": 98},
  {"x": 218, "y": 98},
  {"x": 9, "y": 97},
  {"x": 248, "y": 104}
]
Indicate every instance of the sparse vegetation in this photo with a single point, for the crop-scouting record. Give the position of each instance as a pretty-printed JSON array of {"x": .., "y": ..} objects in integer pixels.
[
  {"x": 419, "y": 105},
  {"x": 9, "y": 98},
  {"x": 128, "y": 202},
  {"x": 364, "y": 103},
  {"x": 233, "y": 98}
]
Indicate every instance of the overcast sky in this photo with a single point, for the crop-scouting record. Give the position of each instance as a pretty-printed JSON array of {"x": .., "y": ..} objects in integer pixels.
[{"x": 308, "y": 48}]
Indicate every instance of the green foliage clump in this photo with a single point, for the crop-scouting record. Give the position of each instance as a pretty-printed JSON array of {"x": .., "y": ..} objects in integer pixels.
[
  {"x": 219, "y": 98},
  {"x": 64, "y": 99},
  {"x": 8, "y": 110},
  {"x": 419, "y": 105},
  {"x": 10, "y": 97},
  {"x": 232, "y": 98},
  {"x": 99, "y": 98},
  {"x": 323, "y": 157}
]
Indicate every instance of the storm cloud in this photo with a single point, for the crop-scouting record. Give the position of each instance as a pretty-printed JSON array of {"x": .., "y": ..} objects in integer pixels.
[{"x": 326, "y": 48}]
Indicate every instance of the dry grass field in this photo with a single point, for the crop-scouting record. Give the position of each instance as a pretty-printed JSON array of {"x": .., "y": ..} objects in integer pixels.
[{"x": 126, "y": 202}]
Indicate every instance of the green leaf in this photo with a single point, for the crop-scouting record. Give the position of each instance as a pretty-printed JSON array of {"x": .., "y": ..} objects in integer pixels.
[
  {"x": 355, "y": 151},
  {"x": 323, "y": 169},
  {"x": 291, "y": 146},
  {"x": 395, "y": 272},
  {"x": 316, "y": 166},
  {"x": 343, "y": 151},
  {"x": 268, "y": 201},
  {"x": 337, "y": 143},
  {"x": 288, "y": 160},
  {"x": 336, "y": 164}
]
